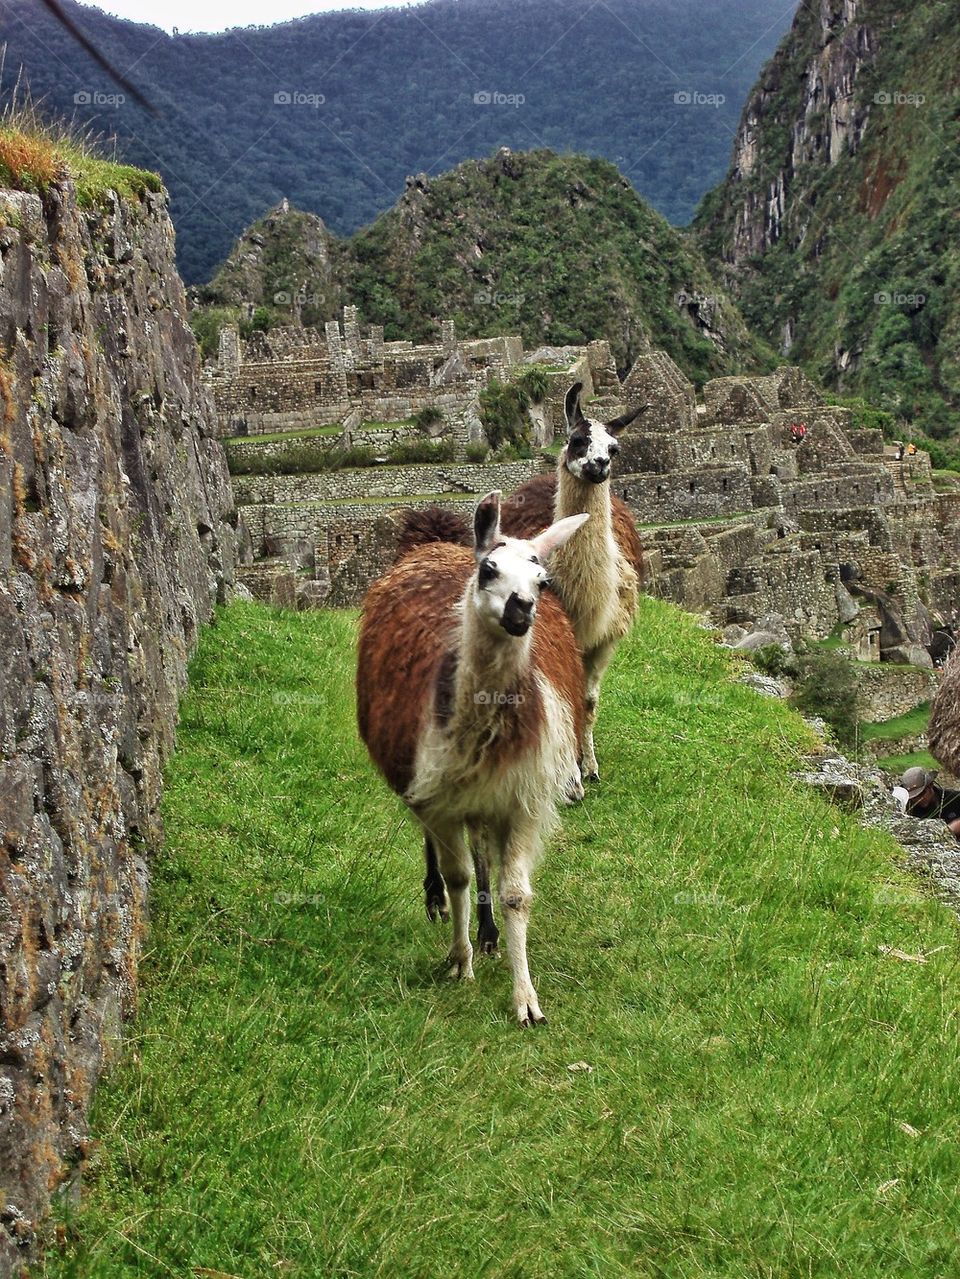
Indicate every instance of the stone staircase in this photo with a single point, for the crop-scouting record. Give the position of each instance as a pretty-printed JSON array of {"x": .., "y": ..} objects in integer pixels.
[{"x": 895, "y": 470}]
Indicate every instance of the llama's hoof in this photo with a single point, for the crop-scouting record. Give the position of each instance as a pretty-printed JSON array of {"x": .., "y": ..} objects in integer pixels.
[
  {"x": 574, "y": 792},
  {"x": 593, "y": 777},
  {"x": 461, "y": 965},
  {"x": 438, "y": 907},
  {"x": 528, "y": 1009},
  {"x": 488, "y": 940}
]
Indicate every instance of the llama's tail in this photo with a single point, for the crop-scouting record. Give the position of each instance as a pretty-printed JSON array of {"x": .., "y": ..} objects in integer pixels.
[{"x": 431, "y": 524}]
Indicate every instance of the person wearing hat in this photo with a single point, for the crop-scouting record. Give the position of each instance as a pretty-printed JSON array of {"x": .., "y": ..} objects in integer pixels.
[{"x": 924, "y": 798}]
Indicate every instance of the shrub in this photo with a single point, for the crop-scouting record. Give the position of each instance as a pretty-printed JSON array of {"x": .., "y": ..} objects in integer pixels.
[
  {"x": 426, "y": 417},
  {"x": 408, "y": 451},
  {"x": 503, "y": 408},
  {"x": 773, "y": 660},
  {"x": 513, "y": 453},
  {"x": 868, "y": 416},
  {"x": 206, "y": 325},
  {"x": 298, "y": 459},
  {"x": 261, "y": 321},
  {"x": 827, "y": 686},
  {"x": 477, "y": 451},
  {"x": 533, "y": 381}
]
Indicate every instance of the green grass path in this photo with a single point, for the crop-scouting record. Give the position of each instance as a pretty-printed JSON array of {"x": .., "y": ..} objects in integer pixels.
[{"x": 304, "y": 1094}]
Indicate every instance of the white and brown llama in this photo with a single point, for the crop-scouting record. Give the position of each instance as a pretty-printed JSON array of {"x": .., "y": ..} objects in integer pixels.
[
  {"x": 470, "y": 699},
  {"x": 597, "y": 575}
]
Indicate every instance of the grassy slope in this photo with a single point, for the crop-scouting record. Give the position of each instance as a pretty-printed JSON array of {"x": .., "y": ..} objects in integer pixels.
[
  {"x": 305, "y": 1094},
  {"x": 900, "y": 763},
  {"x": 914, "y": 721}
]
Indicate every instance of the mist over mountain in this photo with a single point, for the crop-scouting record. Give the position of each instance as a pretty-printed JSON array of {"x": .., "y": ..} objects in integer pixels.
[{"x": 336, "y": 110}]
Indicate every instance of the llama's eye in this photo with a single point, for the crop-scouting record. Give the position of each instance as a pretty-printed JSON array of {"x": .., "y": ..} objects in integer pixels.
[
  {"x": 487, "y": 573},
  {"x": 614, "y": 450}
]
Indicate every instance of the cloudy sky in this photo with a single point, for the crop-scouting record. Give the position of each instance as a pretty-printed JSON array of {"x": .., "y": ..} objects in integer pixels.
[{"x": 217, "y": 15}]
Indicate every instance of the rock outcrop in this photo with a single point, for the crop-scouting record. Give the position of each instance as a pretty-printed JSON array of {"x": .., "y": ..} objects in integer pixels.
[
  {"x": 834, "y": 226},
  {"x": 117, "y": 536},
  {"x": 803, "y": 116}
]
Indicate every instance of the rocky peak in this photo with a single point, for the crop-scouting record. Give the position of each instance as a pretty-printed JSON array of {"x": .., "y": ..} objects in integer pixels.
[{"x": 804, "y": 113}]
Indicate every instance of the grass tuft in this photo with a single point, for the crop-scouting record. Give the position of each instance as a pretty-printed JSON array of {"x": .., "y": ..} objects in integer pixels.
[
  {"x": 35, "y": 153},
  {"x": 28, "y": 161}
]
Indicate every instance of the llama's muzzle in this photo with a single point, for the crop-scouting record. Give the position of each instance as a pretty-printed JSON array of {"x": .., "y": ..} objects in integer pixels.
[
  {"x": 597, "y": 470},
  {"x": 518, "y": 615}
]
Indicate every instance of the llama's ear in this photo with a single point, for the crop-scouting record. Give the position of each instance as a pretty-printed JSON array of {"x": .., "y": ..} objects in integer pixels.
[
  {"x": 486, "y": 523},
  {"x": 571, "y": 406},
  {"x": 557, "y": 534},
  {"x": 618, "y": 423}
]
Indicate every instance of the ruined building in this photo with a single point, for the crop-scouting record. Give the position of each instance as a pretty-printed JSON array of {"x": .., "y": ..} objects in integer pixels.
[{"x": 739, "y": 520}]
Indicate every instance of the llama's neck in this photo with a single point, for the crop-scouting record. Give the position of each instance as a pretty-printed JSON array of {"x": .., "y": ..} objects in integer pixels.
[
  {"x": 584, "y": 571},
  {"x": 489, "y": 661},
  {"x": 574, "y": 497}
]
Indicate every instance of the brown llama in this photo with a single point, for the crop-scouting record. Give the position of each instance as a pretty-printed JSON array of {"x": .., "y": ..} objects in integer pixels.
[{"x": 470, "y": 699}]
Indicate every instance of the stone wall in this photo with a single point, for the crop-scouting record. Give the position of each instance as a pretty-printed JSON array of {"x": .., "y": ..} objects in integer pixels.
[
  {"x": 321, "y": 535},
  {"x": 385, "y": 481},
  {"x": 707, "y": 492},
  {"x": 117, "y": 536},
  {"x": 887, "y": 691}
]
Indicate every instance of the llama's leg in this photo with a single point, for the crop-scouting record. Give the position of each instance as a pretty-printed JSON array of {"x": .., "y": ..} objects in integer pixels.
[
  {"x": 453, "y": 858},
  {"x": 595, "y": 665},
  {"x": 515, "y": 892},
  {"x": 434, "y": 890},
  {"x": 574, "y": 792},
  {"x": 488, "y": 935}
]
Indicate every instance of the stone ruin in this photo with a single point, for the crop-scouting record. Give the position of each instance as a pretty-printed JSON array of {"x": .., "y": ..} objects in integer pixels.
[{"x": 739, "y": 521}]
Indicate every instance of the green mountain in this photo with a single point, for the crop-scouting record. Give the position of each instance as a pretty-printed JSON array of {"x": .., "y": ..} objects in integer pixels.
[
  {"x": 560, "y": 249},
  {"x": 836, "y": 224},
  {"x": 334, "y": 110}
]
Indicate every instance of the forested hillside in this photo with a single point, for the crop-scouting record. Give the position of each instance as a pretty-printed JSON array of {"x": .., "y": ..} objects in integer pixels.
[
  {"x": 837, "y": 223},
  {"x": 334, "y": 111},
  {"x": 557, "y": 248}
]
